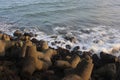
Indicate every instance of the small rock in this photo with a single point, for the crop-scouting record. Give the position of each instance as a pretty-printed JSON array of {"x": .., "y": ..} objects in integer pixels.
[
  {"x": 34, "y": 40},
  {"x": 53, "y": 36},
  {"x": 57, "y": 42},
  {"x": 52, "y": 43},
  {"x": 68, "y": 47},
  {"x": 84, "y": 48},
  {"x": 18, "y": 33},
  {"x": 71, "y": 39},
  {"x": 29, "y": 34},
  {"x": 76, "y": 48}
]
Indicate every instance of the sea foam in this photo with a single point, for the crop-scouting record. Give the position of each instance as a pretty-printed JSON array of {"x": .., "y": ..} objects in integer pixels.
[{"x": 96, "y": 39}]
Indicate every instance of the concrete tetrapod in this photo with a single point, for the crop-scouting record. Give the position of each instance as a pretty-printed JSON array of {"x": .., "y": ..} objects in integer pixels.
[
  {"x": 83, "y": 69},
  {"x": 32, "y": 62},
  {"x": 4, "y": 45}
]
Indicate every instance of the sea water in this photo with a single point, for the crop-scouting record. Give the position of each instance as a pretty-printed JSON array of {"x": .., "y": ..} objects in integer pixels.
[{"x": 95, "y": 23}]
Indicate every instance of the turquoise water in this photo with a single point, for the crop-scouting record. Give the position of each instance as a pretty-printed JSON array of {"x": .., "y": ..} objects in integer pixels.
[{"x": 47, "y": 14}]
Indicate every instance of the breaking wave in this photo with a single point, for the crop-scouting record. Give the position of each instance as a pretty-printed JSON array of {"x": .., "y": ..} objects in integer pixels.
[{"x": 96, "y": 39}]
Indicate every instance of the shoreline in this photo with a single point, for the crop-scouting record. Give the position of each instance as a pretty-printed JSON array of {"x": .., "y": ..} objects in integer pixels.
[
  {"x": 23, "y": 57},
  {"x": 96, "y": 39}
]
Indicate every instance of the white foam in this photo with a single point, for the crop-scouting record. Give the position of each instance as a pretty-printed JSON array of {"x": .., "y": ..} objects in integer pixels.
[
  {"x": 6, "y": 28},
  {"x": 97, "y": 39}
]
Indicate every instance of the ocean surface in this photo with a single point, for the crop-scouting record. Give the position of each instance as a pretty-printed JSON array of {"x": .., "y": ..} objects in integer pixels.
[{"x": 95, "y": 23}]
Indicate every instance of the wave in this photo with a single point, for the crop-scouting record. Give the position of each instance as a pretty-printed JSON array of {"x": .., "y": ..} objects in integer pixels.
[
  {"x": 96, "y": 39},
  {"x": 61, "y": 10},
  {"x": 33, "y": 4},
  {"x": 52, "y": 11}
]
